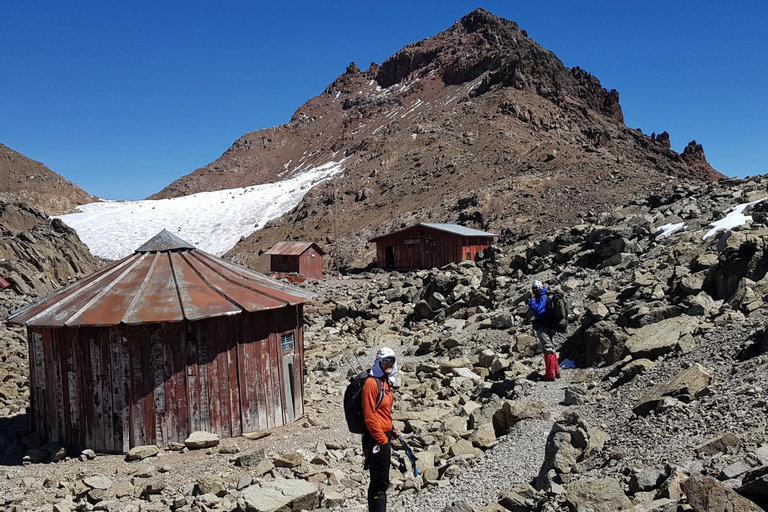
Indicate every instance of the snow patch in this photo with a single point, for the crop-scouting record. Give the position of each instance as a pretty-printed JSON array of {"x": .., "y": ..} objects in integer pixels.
[
  {"x": 668, "y": 229},
  {"x": 211, "y": 221},
  {"x": 735, "y": 218}
]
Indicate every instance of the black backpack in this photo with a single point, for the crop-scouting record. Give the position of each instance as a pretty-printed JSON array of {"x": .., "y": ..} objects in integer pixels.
[
  {"x": 558, "y": 309},
  {"x": 353, "y": 402}
]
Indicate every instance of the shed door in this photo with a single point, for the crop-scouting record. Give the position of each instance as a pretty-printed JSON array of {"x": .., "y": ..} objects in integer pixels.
[{"x": 287, "y": 345}]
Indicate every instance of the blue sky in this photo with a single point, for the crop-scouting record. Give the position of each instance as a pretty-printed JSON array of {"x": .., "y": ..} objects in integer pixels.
[{"x": 123, "y": 98}]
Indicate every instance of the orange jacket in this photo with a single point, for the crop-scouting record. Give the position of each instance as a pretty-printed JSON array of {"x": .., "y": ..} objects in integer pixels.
[{"x": 378, "y": 420}]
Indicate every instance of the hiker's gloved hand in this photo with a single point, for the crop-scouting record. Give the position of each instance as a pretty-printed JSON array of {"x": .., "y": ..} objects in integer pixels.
[{"x": 396, "y": 432}]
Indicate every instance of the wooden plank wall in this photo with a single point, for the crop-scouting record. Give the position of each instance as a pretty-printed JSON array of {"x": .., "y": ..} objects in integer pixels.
[
  {"x": 112, "y": 388},
  {"x": 445, "y": 248},
  {"x": 311, "y": 263}
]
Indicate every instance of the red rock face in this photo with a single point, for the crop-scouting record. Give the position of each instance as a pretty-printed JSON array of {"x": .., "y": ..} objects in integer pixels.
[{"x": 478, "y": 124}]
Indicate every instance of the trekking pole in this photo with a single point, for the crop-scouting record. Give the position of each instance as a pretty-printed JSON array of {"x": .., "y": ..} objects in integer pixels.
[{"x": 410, "y": 455}]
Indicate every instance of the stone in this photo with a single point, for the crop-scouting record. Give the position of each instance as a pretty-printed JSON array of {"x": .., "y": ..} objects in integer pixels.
[
  {"x": 289, "y": 460},
  {"x": 659, "y": 338},
  {"x": 635, "y": 367},
  {"x": 599, "y": 495},
  {"x": 755, "y": 486},
  {"x": 725, "y": 443},
  {"x": 88, "y": 453},
  {"x": 280, "y": 495},
  {"x": 692, "y": 381},
  {"x": 462, "y": 447},
  {"x": 458, "y": 506},
  {"x": 527, "y": 346},
  {"x": 142, "y": 452},
  {"x": 256, "y": 460},
  {"x": 660, "y": 505},
  {"x": 200, "y": 439},
  {"x": 209, "y": 484},
  {"x": 734, "y": 470},
  {"x": 98, "y": 482},
  {"x": 466, "y": 373},
  {"x": 646, "y": 479},
  {"x": 706, "y": 494},
  {"x": 512, "y": 412},
  {"x": 148, "y": 486},
  {"x": 484, "y": 436}
]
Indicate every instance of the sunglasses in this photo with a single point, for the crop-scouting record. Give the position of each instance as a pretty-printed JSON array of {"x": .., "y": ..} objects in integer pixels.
[{"x": 388, "y": 360}]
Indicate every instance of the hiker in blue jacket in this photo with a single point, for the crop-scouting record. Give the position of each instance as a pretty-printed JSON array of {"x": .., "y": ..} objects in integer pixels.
[{"x": 542, "y": 325}]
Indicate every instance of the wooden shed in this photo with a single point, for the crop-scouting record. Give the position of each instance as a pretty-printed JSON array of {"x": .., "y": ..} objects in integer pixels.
[
  {"x": 429, "y": 245},
  {"x": 162, "y": 343},
  {"x": 296, "y": 260}
]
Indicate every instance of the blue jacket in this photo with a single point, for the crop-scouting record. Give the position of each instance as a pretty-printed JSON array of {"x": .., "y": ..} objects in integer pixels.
[{"x": 538, "y": 306}]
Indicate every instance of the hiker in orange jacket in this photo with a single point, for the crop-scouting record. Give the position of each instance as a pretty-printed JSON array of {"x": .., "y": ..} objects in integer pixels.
[{"x": 377, "y": 440}]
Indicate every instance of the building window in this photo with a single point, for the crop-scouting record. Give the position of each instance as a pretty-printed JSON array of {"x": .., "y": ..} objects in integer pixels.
[
  {"x": 412, "y": 241},
  {"x": 431, "y": 246},
  {"x": 287, "y": 343}
]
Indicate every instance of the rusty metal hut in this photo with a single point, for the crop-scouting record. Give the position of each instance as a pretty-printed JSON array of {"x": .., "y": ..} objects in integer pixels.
[
  {"x": 164, "y": 342},
  {"x": 428, "y": 245},
  {"x": 296, "y": 260}
]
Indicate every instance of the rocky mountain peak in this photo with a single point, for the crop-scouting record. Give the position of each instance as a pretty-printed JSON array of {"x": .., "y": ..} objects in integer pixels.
[{"x": 478, "y": 124}]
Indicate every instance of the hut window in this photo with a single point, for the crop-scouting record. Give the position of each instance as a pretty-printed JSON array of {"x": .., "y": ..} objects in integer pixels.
[
  {"x": 431, "y": 246},
  {"x": 287, "y": 343},
  {"x": 412, "y": 241},
  {"x": 37, "y": 346}
]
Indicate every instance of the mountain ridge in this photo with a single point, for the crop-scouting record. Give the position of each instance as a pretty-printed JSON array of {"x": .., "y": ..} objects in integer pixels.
[{"x": 33, "y": 183}]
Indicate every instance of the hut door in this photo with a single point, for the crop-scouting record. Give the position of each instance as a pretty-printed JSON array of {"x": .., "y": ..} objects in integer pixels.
[
  {"x": 287, "y": 346},
  {"x": 390, "y": 256}
]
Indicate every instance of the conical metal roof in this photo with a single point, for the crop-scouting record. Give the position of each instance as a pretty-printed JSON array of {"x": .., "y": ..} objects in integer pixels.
[{"x": 165, "y": 280}]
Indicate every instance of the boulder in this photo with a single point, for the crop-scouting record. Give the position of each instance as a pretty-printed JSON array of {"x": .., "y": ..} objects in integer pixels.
[
  {"x": 725, "y": 443},
  {"x": 201, "y": 439},
  {"x": 755, "y": 486},
  {"x": 280, "y": 495},
  {"x": 692, "y": 382},
  {"x": 659, "y": 338},
  {"x": 599, "y": 495},
  {"x": 514, "y": 411},
  {"x": 705, "y": 494},
  {"x": 142, "y": 452}
]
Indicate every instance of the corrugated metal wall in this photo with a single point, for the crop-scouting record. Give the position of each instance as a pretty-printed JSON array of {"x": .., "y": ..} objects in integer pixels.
[{"x": 112, "y": 388}]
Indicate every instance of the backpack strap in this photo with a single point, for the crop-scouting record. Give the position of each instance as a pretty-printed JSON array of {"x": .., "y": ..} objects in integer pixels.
[{"x": 380, "y": 396}]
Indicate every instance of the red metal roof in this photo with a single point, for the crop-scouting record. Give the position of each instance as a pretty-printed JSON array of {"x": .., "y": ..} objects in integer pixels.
[
  {"x": 454, "y": 229},
  {"x": 293, "y": 248},
  {"x": 165, "y": 280}
]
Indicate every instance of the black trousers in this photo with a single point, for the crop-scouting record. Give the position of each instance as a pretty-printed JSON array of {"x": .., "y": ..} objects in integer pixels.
[{"x": 378, "y": 465}]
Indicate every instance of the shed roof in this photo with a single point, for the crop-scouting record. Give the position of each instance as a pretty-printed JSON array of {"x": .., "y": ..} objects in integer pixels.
[
  {"x": 455, "y": 229},
  {"x": 165, "y": 280},
  {"x": 293, "y": 248}
]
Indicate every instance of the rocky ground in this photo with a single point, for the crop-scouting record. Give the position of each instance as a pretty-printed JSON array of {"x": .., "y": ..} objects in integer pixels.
[{"x": 664, "y": 411}]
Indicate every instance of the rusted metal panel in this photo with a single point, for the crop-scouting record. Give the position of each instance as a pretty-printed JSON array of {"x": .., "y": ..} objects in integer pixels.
[
  {"x": 252, "y": 291},
  {"x": 160, "y": 287},
  {"x": 193, "y": 383},
  {"x": 158, "y": 300},
  {"x": 198, "y": 300},
  {"x": 293, "y": 248}
]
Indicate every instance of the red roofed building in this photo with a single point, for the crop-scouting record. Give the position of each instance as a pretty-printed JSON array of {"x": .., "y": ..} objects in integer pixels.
[
  {"x": 162, "y": 343},
  {"x": 296, "y": 261},
  {"x": 429, "y": 245}
]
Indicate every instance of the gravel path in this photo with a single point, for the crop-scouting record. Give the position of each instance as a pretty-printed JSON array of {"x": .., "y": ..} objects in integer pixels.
[{"x": 517, "y": 458}]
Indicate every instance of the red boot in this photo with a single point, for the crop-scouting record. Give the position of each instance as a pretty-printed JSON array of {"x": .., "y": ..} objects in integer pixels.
[{"x": 552, "y": 368}]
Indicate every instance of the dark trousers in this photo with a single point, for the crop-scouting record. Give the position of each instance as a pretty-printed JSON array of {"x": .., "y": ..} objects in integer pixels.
[{"x": 378, "y": 464}]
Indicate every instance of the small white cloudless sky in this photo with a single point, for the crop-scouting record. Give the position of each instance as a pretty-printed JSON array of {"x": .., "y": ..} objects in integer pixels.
[{"x": 123, "y": 98}]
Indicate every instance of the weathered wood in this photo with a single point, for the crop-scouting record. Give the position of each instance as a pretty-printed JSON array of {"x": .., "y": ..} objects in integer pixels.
[
  {"x": 425, "y": 247},
  {"x": 111, "y": 388}
]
